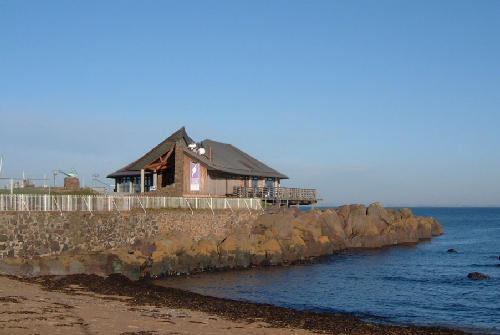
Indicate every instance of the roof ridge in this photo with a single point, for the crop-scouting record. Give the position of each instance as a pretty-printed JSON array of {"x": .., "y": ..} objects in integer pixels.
[
  {"x": 174, "y": 137},
  {"x": 181, "y": 129}
]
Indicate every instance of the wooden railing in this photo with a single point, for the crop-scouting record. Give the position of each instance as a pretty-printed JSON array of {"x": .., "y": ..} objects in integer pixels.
[{"x": 277, "y": 193}]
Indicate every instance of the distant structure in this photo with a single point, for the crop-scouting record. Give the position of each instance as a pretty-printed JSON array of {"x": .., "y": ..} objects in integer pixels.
[
  {"x": 71, "y": 181},
  {"x": 179, "y": 166}
]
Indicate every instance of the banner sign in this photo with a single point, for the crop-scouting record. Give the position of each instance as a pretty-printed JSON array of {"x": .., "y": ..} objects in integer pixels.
[{"x": 195, "y": 176}]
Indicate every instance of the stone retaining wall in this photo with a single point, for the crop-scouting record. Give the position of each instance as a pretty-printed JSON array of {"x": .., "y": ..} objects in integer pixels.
[{"x": 40, "y": 234}]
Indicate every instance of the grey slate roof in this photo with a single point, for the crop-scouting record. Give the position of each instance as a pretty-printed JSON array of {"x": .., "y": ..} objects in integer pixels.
[
  {"x": 229, "y": 159},
  {"x": 225, "y": 158}
]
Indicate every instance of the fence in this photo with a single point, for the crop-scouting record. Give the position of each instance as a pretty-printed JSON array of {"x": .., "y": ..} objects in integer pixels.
[
  {"x": 299, "y": 195},
  {"x": 67, "y": 203}
]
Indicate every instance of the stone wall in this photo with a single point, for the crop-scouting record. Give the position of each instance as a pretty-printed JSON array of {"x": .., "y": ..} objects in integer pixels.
[{"x": 40, "y": 234}]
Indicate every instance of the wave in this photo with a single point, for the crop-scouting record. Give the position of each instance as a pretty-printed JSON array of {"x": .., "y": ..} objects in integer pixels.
[
  {"x": 430, "y": 280},
  {"x": 485, "y": 265}
]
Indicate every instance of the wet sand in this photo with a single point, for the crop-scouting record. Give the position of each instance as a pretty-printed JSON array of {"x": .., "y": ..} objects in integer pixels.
[
  {"x": 27, "y": 308},
  {"x": 88, "y": 304}
]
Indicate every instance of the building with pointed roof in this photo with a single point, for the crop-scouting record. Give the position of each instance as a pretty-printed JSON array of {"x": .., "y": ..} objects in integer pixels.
[{"x": 179, "y": 166}]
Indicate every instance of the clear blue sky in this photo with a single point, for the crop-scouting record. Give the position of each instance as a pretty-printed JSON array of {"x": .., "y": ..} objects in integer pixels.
[{"x": 391, "y": 101}]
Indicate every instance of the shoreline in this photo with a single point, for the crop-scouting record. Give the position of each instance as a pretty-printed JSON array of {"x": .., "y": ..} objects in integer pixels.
[
  {"x": 305, "y": 261},
  {"x": 367, "y": 318},
  {"x": 145, "y": 293}
]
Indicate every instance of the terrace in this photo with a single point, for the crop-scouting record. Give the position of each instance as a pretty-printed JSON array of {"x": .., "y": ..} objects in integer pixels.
[{"x": 279, "y": 195}]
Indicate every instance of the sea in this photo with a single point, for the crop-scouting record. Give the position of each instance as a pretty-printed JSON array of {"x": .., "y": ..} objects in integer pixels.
[{"x": 420, "y": 284}]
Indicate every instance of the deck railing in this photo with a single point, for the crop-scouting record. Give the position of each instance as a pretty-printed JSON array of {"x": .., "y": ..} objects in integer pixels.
[
  {"x": 66, "y": 203},
  {"x": 277, "y": 193}
]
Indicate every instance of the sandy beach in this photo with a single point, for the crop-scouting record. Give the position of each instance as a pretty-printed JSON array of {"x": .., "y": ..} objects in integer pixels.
[
  {"x": 26, "y": 308},
  {"x": 94, "y": 305}
]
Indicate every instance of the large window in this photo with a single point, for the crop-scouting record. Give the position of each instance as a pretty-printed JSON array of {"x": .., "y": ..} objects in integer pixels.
[
  {"x": 148, "y": 182},
  {"x": 269, "y": 182},
  {"x": 125, "y": 184},
  {"x": 136, "y": 184},
  {"x": 255, "y": 182}
]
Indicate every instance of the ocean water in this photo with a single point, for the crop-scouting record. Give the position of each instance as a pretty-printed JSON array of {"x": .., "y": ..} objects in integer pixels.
[{"x": 420, "y": 284}]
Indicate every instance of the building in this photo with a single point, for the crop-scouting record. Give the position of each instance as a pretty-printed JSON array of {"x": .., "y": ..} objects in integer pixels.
[{"x": 179, "y": 166}]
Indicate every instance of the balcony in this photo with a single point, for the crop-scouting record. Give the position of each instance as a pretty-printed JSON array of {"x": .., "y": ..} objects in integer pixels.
[{"x": 281, "y": 195}]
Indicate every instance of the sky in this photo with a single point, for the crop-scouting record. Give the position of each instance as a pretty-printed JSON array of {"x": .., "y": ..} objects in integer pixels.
[{"x": 390, "y": 101}]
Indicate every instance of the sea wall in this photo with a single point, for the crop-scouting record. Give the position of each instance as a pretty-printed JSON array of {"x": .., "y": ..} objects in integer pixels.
[
  {"x": 176, "y": 242},
  {"x": 28, "y": 235}
]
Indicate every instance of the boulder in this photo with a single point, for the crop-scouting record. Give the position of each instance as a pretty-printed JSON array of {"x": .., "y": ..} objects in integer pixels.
[
  {"x": 437, "y": 229},
  {"x": 378, "y": 212},
  {"x": 406, "y": 213},
  {"x": 332, "y": 226},
  {"x": 477, "y": 276}
]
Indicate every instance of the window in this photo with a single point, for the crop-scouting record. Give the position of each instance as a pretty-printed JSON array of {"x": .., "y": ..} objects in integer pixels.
[
  {"x": 269, "y": 182},
  {"x": 136, "y": 184},
  {"x": 148, "y": 182},
  {"x": 255, "y": 182},
  {"x": 125, "y": 184}
]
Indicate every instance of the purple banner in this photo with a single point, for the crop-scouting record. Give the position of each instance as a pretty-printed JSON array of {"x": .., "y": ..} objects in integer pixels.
[{"x": 195, "y": 176}]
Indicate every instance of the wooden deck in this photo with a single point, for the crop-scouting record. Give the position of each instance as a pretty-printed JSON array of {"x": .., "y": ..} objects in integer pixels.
[{"x": 279, "y": 195}]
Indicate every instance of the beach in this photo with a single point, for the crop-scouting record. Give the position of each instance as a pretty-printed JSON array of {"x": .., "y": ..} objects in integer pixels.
[
  {"x": 89, "y": 304},
  {"x": 25, "y": 308}
]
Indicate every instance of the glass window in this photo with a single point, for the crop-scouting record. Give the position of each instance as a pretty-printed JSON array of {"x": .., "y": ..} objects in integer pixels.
[
  {"x": 269, "y": 182},
  {"x": 125, "y": 184},
  {"x": 148, "y": 182},
  {"x": 136, "y": 184},
  {"x": 255, "y": 182}
]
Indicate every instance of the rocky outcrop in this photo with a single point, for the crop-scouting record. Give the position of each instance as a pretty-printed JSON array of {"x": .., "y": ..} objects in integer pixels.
[
  {"x": 282, "y": 236},
  {"x": 477, "y": 276}
]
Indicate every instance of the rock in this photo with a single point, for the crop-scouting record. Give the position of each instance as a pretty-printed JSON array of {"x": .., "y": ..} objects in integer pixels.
[
  {"x": 406, "y": 213},
  {"x": 204, "y": 247},
  {"x": 477, "y": 276},
  {"x": 54, "y": 246},
  {"x": 378, "y": 212},
  {"x": 451, "y": 251},
  {"x": 332, "y": 226},
  {"x": 437, "y": 229}
]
